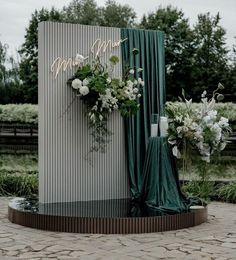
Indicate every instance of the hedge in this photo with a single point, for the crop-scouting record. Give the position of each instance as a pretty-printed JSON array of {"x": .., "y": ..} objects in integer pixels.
[
  {"x": 28, "y": 113},
  {"x": 227, "y": 109},
  {"x": 22, "y": 113}
]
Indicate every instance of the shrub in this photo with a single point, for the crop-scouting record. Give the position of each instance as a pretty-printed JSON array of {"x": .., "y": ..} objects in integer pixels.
[
  {"x": 28, "y": 113},
  {"x": 24, "y": 113},
  {"x": 18, "y": 185},
  {"x": 19, "y": 164},
  {"x": 202, "y": 189},
  {"x": 227, "y": 192},
  {"x": 227, "y": 110}
]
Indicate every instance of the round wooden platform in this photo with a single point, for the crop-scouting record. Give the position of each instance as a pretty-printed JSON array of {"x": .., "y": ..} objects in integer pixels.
[{"x": 106, "y": 225}]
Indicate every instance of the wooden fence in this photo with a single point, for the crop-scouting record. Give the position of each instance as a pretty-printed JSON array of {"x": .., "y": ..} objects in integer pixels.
[{"x": 24, "y": 137}]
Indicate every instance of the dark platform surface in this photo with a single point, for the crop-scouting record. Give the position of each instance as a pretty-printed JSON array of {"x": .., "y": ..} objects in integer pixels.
[{"x": 106, "y": 217}]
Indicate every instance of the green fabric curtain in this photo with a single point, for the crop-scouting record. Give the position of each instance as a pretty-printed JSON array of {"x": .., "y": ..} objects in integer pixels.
[
  {"x": 151, "y": 59},
  {"x": 151, "y": 167}
]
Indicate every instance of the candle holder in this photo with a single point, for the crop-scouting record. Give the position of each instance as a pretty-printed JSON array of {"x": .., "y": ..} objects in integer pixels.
[{"x": 154, "y": 125}]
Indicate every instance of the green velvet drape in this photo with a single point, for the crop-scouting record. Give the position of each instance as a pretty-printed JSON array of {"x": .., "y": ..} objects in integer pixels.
[
  {"x": 151, "y": 59},
  {"x": 152, "y": 172}
]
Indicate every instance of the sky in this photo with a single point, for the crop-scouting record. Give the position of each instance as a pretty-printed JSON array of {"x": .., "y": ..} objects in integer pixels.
[{"x": 15, "y": 14}]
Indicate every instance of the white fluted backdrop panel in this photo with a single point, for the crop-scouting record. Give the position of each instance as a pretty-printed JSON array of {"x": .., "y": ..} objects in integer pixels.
[{"x": 67, "y": 171}]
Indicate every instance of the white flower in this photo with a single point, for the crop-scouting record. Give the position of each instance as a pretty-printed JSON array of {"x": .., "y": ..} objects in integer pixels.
[
  {"x": 76, "y": 83},
  {"x": 176, "y": 152},
  {"x": 108, "y": 80},
  {"x": 100, "y": 117},
  {"x": 222, "y": 146},
  {"x": 139, "y": 95},
  {"x": 206, "y": 158},
  {"x": 84, "y": 90},
  {"x": 92, "y": 117},
  {"x": 224, "y": 122},
  {"x": 85, "y": 82},
  {"x": 130, "y": 84},
  {"x": 79, "y": 58},
  {"x": 95, "y": 108},
  {"x": 131, "y": 71},
  {"x": 140, "y": 80},
  {"x": 135, "y": 90},
  {"x": 204, "y": 94}
]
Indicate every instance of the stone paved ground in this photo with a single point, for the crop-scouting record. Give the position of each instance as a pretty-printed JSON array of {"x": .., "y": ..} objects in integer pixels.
[{"x": 213, "y": 240}]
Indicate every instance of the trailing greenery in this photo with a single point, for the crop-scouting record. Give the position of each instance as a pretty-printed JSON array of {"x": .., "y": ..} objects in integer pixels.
[
  {"x": 18, "y": 184},
  {"x": 22, "y": 113}
]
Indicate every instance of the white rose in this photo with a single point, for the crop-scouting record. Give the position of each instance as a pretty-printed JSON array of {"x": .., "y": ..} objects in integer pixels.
[
  {"x": 76, "y": 83},
  {"x": 135, "y": 90},
  {"x": 131, "y": 71},
  {"x": 139, "y": 95},
  {"x": 84, "y": 90}
]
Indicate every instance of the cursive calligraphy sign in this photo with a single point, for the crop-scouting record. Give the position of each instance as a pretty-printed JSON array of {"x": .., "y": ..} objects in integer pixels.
[{"x": 98, "y": 47}]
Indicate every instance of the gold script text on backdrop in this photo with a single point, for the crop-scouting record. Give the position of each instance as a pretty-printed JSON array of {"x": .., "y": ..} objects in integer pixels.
[{"x": 98, "y": 47}]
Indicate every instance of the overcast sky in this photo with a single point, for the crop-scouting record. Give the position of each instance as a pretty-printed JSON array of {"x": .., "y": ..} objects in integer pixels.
[{"x": 15, "y": 14}]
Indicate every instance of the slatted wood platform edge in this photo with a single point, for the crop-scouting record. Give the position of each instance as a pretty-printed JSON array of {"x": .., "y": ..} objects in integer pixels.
[{"x": 108, "y": 225}]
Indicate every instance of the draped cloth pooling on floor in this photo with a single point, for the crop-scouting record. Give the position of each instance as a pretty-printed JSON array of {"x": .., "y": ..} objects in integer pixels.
[{"x": 151, "y": 167}]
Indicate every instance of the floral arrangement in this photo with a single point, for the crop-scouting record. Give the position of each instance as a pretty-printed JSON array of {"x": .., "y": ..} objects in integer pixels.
[
  {"x": 102, "y": 93},
  {"x": 200, "y": 128}
]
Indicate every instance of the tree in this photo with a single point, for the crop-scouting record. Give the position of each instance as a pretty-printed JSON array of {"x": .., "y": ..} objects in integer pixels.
[
  {"x": 10, "y": 85},
  {"x": 117, "y": 15},
  {"x": 179, "y": 47},
  {"x": 29, "y": 53},
  {"x": 210, "y": 64},
  {"x": 78, "y": 11},
  {"x": 82, "y": 12},
  {"x": 230, "y": 79}
]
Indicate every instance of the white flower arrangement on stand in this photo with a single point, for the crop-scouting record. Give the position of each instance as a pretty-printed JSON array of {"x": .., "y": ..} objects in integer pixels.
[
  {"x": 201, "y": 129},
  {"x": 102, "y": 93}
]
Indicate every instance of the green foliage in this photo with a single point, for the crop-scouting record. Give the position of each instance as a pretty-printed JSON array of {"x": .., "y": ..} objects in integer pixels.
[
  {"x": 227, "y": 192},
  {"x": 18, "y": 164},
  {"x": 210, "y": 57},
  {"x": 117, "y": 15},
  {"x": 29, "y": 53},
  {"x": 196, "y": 59},
  {"x": 10, "y": 85},
  {"x": 23, "y": 113},
  {"x": 227, "y": 109},
  {"x": 28, "y": 113},
  {"x": 18, "y": 185},
  {"x": 89, "y": 13},
  {"x": 178, "y": 47},
  {"x": 82, "y": 12},
  {"x": 203, "y": 190}
]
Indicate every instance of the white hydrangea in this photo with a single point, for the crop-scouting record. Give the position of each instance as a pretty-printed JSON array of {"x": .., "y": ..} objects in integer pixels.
[
  {"x": 84, "y": 90},
  {"x": 76, "y": 83}
]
